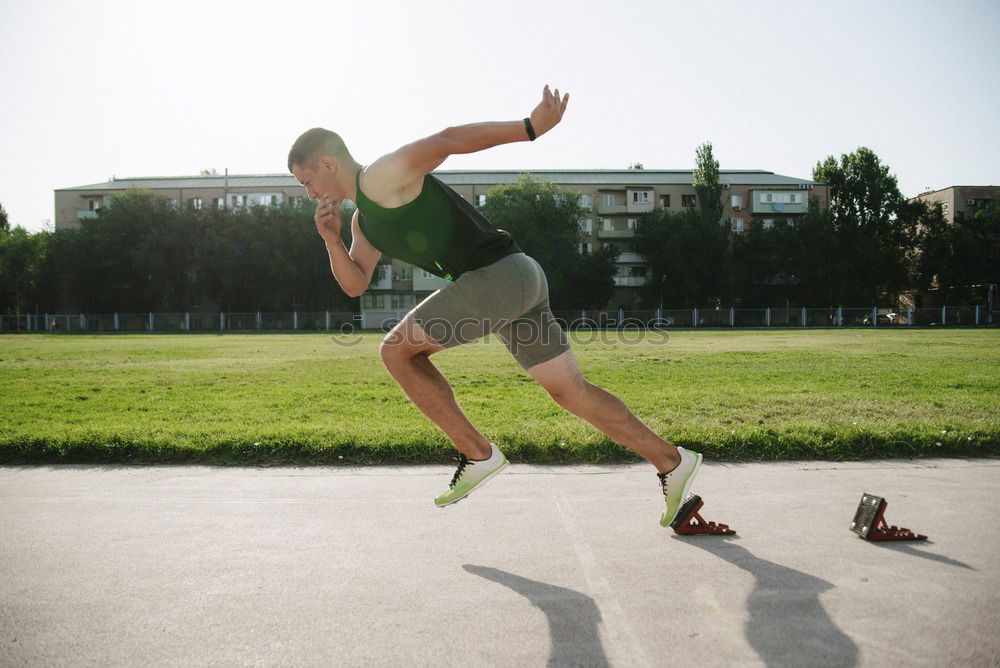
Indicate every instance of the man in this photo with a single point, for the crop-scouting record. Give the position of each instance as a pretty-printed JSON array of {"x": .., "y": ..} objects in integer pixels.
[{"x": 410, "y": 215}]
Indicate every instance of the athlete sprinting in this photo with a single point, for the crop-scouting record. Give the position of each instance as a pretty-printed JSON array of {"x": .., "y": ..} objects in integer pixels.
[{"x": 407, "y": 213}]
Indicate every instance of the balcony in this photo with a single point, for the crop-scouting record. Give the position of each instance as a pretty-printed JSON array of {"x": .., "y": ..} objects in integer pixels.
[
  {"x": 611, "y": 209},
  {"x": 630, "y": 281},
  {"x": 630, "y": 258},
  {"x": 86, "y": 214},
  {"x": 615, "y": 234}
]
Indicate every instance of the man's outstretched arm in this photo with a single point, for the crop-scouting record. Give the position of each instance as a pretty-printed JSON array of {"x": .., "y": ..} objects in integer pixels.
[{"x": 405, "y": 168}]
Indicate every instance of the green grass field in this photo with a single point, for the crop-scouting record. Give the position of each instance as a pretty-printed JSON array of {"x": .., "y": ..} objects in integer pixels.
[{"x": 313, "y": 398}]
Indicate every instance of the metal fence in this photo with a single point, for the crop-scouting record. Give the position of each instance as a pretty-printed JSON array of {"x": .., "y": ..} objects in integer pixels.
[{"x": 327, "y": 321}]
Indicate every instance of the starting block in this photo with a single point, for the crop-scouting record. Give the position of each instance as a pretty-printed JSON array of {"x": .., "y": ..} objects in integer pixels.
[
  {"x": 688, "y": 522},
  {"x": 869, "y": 522}
]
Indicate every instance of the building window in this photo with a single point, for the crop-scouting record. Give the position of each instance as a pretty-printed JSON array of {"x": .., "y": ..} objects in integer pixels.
[
  {"x": 609, "y": 200},
  {"x": 94, "y": 205},
  {"x": 402, "y": 301},
  {"x": 219, "y": 202},
  {"x": 426, "y": 275},
  {"x": 687, "y": 200},
  {"x": 768, "y": 223},
  {"x": 586, "y": 248},
  {"x": 944, "y": 207},
  {"x": 373, "y": 301},
  {"x": 401, "y": 272},
  {"x": 587, "y": 226},
  {"x": 640, "y": 197},
  {"x": 196, "y": 202},
  {"x": 633, "y": 224},
  {"x": 737, "y": 202},
  {"x": 586, "y": 201},
  {"x": 480, "y": 200},
  {"x": 664, "y": 201},
  {"x": 781, "y": 198},
  {"x": 737, "y": 225},
  {"x": 608, "y": 224}
]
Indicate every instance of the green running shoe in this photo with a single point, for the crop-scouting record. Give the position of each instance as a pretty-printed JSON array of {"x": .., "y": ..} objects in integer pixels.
[
  {"x": 676, "y": 484},
  {"x": 472, "y": 473}
]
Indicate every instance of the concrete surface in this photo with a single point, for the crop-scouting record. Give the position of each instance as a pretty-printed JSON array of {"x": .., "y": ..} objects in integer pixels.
[{"x": 202, "y": 566}]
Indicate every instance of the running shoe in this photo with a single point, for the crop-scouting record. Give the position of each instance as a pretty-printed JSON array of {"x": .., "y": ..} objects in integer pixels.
[
  {"x": 472, "y": 473},
  {"x": 676, "y": 483}
]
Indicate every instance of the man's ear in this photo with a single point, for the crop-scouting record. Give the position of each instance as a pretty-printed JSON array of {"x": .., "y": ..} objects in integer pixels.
[{"x": 327, "y": 163}]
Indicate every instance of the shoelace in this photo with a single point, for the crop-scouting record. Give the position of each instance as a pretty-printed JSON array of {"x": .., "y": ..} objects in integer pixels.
[
  {"x": 663, "y": 481},
  {"x": 463, "y": 461}
]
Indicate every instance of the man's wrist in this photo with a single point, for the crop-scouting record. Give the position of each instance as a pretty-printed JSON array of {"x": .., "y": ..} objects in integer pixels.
[{"x": 529, "y": 129}]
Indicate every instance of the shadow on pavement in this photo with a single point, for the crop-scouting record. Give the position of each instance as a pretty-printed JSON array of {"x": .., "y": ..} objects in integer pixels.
[
  {"x": 786, "y": 624},
  {"x": 905, "y": 547},
  {"x": 573, "y": 617}
]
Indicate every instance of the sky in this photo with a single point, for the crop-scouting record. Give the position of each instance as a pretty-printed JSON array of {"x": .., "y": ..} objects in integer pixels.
[{"x": 95, "y": 89}]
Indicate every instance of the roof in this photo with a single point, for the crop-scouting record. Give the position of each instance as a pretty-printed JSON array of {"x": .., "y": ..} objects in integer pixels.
[{"x": 571, "y": 177}]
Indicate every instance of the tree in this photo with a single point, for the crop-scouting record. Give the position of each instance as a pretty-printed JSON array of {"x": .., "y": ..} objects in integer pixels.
[
  {"x": 4, "y": 222},
  {"x": 874, "y": 230},
  {"x": 22, "y": 260},
  {"x": 933, "y": 251},
  {"x": 544, "y": 222},
  {"x": 687, "y": 259},
  {"x": 705, "y": 180},
  {"x": 975, "y": 260}
]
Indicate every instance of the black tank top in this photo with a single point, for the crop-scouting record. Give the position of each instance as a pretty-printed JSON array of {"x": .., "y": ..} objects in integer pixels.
[{"x": 438, "y": 231}]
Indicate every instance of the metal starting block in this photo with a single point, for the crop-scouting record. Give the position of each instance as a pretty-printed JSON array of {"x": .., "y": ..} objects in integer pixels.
[
  {"x": 869, "y": 522},
  {"x": 689, "y": 523}
]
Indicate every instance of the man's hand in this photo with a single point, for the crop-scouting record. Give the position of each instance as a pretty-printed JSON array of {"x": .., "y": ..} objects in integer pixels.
[
  {"x": 327, "y": 218},
  {"x": 549, "y": 111}
]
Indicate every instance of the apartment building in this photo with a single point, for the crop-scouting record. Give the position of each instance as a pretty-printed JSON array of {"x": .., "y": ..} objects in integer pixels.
[
  {"x": 965, "y": 200},
  {"x": 612, "y": 203}
]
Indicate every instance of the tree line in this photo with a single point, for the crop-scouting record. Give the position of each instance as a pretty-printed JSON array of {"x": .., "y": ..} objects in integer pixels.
[
  {"x": 869, "y": 246},
  {"x": 142, "y": 253}
]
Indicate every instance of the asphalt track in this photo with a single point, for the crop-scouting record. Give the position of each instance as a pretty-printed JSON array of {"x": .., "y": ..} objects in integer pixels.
[{"x": 544, "y": 566}]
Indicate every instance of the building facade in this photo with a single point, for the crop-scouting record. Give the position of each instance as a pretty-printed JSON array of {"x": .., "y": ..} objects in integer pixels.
[
  {"x": 964, "y": 200},
  {"x": 612, "y": 202}
]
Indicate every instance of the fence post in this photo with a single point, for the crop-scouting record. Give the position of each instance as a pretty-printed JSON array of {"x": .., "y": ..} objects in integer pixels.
[
  {"x": 909, "y": 317},
  {"x": 767, "y": 317},
  {"x": 874, "y": 316},
  {"x": 83, "y": 320},
  {"x": 732, "y": 317},
  {"x": 187, "y": 321},
  {"x": 694, "y": 317},
  {"x": 222, "y": 320},
  {"x": 295, "y": 320},
  {"x": 803, "y": 316},
  {"x": 839, "y": 316},
  {"x": 977, "y": 315},
  {"x": 117, "y": 323},
  {"x": 150, "y": 321},
  {"x": 327, "y": 321},
  {"x": 944, "y": 315}
]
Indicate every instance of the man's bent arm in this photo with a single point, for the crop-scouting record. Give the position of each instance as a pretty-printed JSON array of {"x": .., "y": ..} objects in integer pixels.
[{"x": 353, "y": 269}]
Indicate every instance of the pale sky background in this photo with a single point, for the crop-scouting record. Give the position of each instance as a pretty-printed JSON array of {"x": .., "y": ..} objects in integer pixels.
[{"x": 96, "y": 88}]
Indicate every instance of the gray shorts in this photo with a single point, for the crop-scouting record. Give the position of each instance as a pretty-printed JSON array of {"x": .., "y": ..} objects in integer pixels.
[{"x": 509, "y": 298}]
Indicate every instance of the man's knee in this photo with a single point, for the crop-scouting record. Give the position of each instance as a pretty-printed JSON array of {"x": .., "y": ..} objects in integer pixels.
[
  {"x": 566, "y": 392},
  {"x": 394, "y": 349},
  {"x": 404, "y": 342}
]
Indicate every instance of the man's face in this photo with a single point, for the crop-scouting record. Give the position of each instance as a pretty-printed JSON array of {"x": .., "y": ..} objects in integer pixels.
[{"x": 317, "y": 180}]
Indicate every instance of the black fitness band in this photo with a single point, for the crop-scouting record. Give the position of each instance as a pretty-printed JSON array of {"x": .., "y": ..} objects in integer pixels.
[{"x": 530, "y": 130}]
